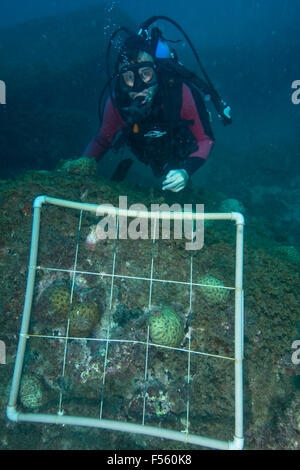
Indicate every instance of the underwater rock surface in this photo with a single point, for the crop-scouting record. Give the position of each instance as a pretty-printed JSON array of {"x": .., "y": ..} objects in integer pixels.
[{"x": 271, "y": 311}]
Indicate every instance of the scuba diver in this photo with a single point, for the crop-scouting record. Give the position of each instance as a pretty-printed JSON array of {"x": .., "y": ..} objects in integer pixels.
[{"x": 157, "y": 107}]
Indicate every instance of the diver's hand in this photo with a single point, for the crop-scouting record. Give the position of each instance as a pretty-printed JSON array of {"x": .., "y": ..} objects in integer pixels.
[{"x": 175, "y": 180}]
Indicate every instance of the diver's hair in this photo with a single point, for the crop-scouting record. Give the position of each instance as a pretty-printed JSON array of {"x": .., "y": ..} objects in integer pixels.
[{"x": 131, "y": 48}]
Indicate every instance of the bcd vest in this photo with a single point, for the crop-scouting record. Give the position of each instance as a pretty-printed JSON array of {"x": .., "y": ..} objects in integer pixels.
[{"x": 163, "y": 136}]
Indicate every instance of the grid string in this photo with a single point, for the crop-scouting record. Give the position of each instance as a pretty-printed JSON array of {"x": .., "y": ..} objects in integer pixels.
[
  {"x": 60, "y": 410},
  {"x": 137, "y": 278},
  {"x": 148, "y": 327},
  {"x": 189, "y": 340},
  {"x": 109, "y": 317},
  {"x": 74, "y": 338},
  {"x": 108, "y": 340}
]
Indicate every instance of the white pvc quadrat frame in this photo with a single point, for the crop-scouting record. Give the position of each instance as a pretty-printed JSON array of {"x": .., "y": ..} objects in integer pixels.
[{"x": 12, "y": 412}]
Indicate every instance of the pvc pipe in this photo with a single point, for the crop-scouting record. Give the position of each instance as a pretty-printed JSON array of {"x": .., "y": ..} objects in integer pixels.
[
  {"x": 237, "y": 444},
  {"x": 16, "y": 416},
  {"x": 238, "y": 218},
  {"x": 187, "y": 215},
  {"x": 113, "y": 425},
  {"x": 27, "y": 306},
  {"x": 239, "y": 329}
]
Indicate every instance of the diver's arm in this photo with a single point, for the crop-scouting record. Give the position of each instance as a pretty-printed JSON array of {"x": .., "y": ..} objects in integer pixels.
[
  {"x": 176, "y": 179},
  {"x": 205, "y": 143},
  {"x": 112, "y": 123}
]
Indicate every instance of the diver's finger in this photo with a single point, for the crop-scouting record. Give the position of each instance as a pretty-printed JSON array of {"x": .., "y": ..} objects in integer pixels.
[
  {"x": 174, "y": 186},
  {"x": 171, "y": 172},
  {"x": 177, "y": 189},
  {"x": 169, "y": 179},
  {"x": 169, "y": 186}
]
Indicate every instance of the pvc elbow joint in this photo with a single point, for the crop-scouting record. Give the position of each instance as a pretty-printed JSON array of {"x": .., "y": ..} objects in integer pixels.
[
  {"x": 12, "y": 413},
  {"x": 237, "y": 443},
  {"x": 39, "y": 201},
  {"x": 238, "y": 218}
]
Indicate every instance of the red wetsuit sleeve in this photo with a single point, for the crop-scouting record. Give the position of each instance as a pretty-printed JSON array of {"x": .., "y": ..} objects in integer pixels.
[
  {"x": 205, "y": 143},
  {"x": 112, "y": 123}
]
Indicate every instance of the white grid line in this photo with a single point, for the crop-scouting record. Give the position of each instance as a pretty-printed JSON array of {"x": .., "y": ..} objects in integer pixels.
[
  {"x": 60, "y": 410},
  {"x": 148, "y": 327},
  {"x": 111, "y": 340},
  {"x": 189, "y": 337},
  {"x": 73, "y": 272},
  {"x": 138, "y": 278},
  {"x": 108, "y": 326}
]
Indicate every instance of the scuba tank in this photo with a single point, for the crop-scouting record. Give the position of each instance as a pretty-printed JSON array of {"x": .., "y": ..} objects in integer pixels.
[{"x": 207, "y": 87}]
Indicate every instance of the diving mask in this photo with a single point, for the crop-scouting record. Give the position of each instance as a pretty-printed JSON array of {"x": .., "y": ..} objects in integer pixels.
[{"x": 137, "y": 77}]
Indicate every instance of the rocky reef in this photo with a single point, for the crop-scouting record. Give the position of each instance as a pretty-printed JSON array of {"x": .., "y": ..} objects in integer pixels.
[{"x": 93, "y": 308}]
